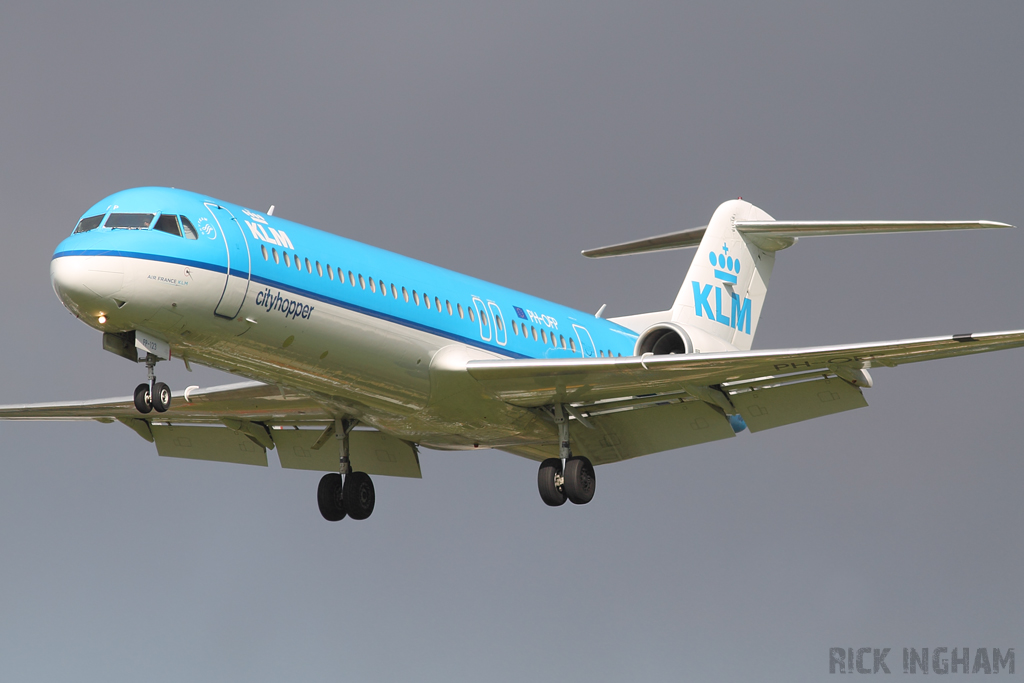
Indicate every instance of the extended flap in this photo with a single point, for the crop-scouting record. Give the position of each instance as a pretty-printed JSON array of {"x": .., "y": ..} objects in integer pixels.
[
  {"x": 631, "y": 433},
  {"x": 207, "y": 443},
  {"x": 370, "y": 452},
  {"x": 783, "y": 405}
]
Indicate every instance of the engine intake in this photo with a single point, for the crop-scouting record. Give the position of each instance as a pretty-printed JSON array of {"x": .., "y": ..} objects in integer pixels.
[{"x": 662, "y": 339}]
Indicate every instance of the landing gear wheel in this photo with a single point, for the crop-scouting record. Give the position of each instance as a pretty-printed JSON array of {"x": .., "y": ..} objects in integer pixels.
[
  {"x": 143, "y": 404},
  {"x": 579, "y": 480},
  {"x": 358, "y": 495},
  {"x": 329, "y": 499},
  {"x": 550, "y": 492},
  {"x": 161, "y": 397}
]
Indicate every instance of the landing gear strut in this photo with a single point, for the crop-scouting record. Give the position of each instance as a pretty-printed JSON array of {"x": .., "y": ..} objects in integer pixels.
[
  {"x": 347, "y": 492},
  {"x": 568, "y": 476},
  {"x": 152, "y": 395}
]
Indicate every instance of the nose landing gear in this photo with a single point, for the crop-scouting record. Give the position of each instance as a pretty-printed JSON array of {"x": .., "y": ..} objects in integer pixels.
[{"x": 152, "y": 395}]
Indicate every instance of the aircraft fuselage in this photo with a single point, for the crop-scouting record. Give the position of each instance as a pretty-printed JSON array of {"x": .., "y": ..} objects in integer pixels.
[{"x": 378, "y": 336}]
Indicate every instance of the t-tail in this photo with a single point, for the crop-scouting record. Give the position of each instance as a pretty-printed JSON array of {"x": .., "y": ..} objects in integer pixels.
[{"x": 720, "y": 302}]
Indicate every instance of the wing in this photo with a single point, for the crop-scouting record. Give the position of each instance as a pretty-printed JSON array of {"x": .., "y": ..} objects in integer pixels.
[
  {"x": 627, "y": 407},
  {"x": 534, "y": 383},
  {"x": 239, "y": 423},
  {"x": 243, "y": 400}
]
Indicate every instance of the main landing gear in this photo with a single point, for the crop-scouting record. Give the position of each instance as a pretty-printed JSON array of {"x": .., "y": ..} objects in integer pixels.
[
  {"x": 568, "y": 476},
  {"x": 152, "y": 395},
  {"x": 346, "y": 492}
]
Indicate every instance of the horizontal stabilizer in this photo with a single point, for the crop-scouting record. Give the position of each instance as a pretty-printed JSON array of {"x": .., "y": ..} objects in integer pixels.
[
  {"x": 823, "y": 228},
  {"x": 672, "y": 240},
  {"x": 783, "y": 233}
]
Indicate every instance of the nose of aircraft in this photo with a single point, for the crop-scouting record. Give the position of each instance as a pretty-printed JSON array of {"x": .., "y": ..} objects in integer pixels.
[{"x": 86, "y": 285}]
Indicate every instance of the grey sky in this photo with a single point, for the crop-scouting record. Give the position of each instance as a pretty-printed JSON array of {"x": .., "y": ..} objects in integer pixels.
[{"x": 499, "y": 140}]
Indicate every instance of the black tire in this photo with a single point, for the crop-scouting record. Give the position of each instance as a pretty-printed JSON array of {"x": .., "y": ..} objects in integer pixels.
[
  {"x": 359, "y": 496},
  {"x": 142, "y": 403},
  {"x": 329, "y": 498},
  {"x": 161, "y": 397},
  {"x": 580, "y": 481},
  {"x": 550, "y": 493}
]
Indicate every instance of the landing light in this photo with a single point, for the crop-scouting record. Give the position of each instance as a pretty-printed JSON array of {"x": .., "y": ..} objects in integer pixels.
[{"x": 102, "y": 319}]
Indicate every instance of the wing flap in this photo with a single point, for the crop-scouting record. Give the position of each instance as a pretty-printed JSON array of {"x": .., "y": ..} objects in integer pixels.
[
  {"x": 218, "y": 444},
  {"x": 369, "y": 451},
  {"x": 782, "y": 405},
  {"x": 641, "y": 430}
]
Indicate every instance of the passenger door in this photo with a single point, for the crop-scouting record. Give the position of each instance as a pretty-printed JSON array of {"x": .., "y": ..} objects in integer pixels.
[
  {"x": 585, "y": 340},
  {"x": 500, "y": 333},
  {"x": 236, "y": 280}
]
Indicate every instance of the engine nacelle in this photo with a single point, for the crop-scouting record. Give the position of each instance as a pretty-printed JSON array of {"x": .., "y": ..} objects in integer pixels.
[
  {"x": 662, "y": 339},
  {"x": 667, "y": 337}
]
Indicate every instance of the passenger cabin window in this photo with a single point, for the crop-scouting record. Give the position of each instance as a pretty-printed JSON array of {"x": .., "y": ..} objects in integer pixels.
[
  {"x": 188, "y": 229},
  {"x": 130, "y": 221},
  {"x": 168, "y": 223},
  {"x": 87, "y": 224},
  {"x": 277, "y": 259},
  {"x": 266, "y": 256}
]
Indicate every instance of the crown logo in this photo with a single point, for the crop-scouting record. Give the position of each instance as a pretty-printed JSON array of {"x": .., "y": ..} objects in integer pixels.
[{"x": 726, "y": 267}]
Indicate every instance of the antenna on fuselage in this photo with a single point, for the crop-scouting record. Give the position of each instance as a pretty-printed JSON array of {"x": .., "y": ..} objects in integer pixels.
[{"x": 270, "y": 211}]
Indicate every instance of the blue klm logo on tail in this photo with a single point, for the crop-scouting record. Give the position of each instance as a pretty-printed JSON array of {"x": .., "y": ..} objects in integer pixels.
[{"x": 726, "y": 269}]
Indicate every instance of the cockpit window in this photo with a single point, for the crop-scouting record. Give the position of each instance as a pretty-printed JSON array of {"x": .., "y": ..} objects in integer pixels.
[
  {"x": 130, "y": 221},
  {"x": 188, "y": 229},
  {"x": 90, "y": 223},
  {"x": 168, "y": 223}
]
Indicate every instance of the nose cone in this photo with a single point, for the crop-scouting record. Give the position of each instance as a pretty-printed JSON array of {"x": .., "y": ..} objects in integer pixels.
[{"x": 87, "y": 285}]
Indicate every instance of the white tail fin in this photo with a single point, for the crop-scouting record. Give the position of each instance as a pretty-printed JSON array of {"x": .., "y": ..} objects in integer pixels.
[
  {"x": 725, "y": 286},
  {"x": 727, "y": 281}
]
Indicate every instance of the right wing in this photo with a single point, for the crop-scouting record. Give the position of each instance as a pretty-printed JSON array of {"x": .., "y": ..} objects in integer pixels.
[{"x": 239, "y": 423}]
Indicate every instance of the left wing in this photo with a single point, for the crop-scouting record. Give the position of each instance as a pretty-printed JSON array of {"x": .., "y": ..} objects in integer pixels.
[
  {"x": 626, "y": 407},
  {"x": 534, "y": 383}
]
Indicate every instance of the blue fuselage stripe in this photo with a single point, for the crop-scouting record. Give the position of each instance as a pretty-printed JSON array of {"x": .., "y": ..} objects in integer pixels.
[{"x": 380, "y": 315}]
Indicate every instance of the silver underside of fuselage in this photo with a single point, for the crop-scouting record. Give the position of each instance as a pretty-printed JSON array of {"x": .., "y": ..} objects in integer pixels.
[{"x": 402, "y": 380}]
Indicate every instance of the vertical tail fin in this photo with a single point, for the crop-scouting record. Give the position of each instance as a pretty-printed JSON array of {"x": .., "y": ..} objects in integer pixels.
[{"x": 726, "y": 284}]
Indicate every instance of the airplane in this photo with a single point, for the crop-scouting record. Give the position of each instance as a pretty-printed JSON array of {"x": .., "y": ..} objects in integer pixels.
[{"x": 354, "y": 357}]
